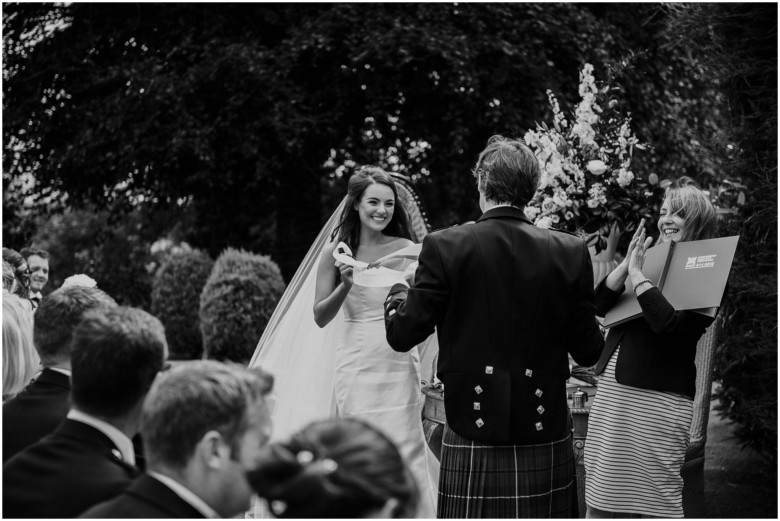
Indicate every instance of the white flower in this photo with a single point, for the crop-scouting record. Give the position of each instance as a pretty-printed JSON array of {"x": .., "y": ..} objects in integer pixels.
[
  {"x": 596, "y": 167},
  {"x": 531, "y": 212},
  {"x": 80, "y": 280},
  {"x": 625, "y": 177},
  {"x": 544, "y": 222}
]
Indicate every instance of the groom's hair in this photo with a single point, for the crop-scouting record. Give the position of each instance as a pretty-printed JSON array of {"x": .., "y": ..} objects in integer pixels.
[
  {"x": 193, "y": 398},
  {"x": 507, "y": 171}
]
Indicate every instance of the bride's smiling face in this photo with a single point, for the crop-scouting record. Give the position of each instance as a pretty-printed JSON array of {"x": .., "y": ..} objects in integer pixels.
[{"x": 376, "y": 207}]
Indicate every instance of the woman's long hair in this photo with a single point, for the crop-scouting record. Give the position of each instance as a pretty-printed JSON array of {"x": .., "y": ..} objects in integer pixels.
[
  {"x": 20, "y": 359},
  {"x": 693, "y": 206},
  {"x": 21, "y": 271},
  {"x": 348, "y": 228}
]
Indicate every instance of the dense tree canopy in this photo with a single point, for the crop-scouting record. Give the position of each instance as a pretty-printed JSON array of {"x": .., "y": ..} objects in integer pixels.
[{"x": 237, "y": 114}]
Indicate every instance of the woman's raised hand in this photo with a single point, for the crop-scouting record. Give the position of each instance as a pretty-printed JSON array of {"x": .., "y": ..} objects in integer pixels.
[
  {"x": 636, "y": 255},
  {"x": 617, "y": 278}
]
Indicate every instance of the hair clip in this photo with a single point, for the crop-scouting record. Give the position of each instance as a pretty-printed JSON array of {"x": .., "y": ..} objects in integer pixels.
[
  {"x": 304, "y": 457},
  {"x": 278, "y": 507},
  {"x": 329, "y": 465}
]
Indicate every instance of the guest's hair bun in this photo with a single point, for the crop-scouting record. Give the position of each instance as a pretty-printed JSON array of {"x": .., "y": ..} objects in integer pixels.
[{"x": 334, "y": 469}]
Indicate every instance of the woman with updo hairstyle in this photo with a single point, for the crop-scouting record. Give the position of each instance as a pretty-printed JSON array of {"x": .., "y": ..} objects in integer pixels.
[{"x": 336, "y": 469}]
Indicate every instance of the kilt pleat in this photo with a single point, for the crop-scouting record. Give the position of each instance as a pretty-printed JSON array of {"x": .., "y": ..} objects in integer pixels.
[{"x": 506, "y": 481}]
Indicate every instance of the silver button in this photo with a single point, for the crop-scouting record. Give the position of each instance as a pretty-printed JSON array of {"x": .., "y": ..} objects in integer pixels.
[
  {"x": 539, "y": 426},
  {"x": 116, "y": 454},
  {"x": 539, "y": 393},
  {"x": 479, "y": 422},
  {"x": 488, "y": 369},
  {"x": 540, "y": 409},
  {"x": 528, "y": 372},
  {"x": 476, "y": 406},
  {"x": 391, "y": 313},
  {"x": 478, "y": 389}
]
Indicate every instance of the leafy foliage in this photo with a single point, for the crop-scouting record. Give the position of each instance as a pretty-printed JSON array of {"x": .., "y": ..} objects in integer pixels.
[
  {"x": 176, "y": 291},
  {"x": 236, "y": 303},
  {"x": 738, "y": 44},
  {"x": 190, "y": 106}
]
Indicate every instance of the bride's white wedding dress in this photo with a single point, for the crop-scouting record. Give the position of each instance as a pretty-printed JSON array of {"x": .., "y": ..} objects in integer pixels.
[
  {"x": 381, "y": 386},
  {"x": 345, "y": 369}
]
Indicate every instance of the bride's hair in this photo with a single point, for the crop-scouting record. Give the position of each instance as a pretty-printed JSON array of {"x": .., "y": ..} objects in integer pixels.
[
  {"x": 348, "y": 228},
  {"x": 335, "y": 469}
]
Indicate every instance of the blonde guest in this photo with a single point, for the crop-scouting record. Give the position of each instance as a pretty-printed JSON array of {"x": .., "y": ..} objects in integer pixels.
[{"x": 20, "y": 359}]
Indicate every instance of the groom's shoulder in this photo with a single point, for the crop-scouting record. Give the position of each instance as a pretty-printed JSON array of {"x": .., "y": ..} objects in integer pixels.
[{"x": 451, "y": 231}]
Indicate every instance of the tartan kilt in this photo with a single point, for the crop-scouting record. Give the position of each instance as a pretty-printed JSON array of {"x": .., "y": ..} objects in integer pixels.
[{"x": 477, "y": 480}]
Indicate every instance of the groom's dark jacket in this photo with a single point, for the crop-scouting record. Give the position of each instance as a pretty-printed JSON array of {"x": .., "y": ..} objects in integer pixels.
[{"x": 509, "y": 301}]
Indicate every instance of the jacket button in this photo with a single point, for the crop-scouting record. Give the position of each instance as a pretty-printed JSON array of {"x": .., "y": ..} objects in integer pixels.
[
  {"x": 476, "y": 406},
  {"x": 479, "y": 422},
  {"x": 488, "y": 369},
  {"x": 478, "y": 389},
  {"x": 529, "y": 372},
  {"x": 539, "y": 393},
  {"x": 540, "y": 409},
  {"x": 539, "y": 426}
]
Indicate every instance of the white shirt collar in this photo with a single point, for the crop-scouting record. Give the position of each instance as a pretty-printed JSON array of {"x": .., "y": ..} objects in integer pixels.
[
  {"x": 122, "y": 442},
  {"x": 61, "y": 370},
  {"x": 185, "y": 494}
]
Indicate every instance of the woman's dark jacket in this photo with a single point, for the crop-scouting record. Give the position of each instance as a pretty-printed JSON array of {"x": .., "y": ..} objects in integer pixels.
[{"x": 658, "y": 348}]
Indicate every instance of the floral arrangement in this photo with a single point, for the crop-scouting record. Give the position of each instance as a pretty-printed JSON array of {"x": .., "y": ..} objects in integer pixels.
[{"x": 587, "y": 184}]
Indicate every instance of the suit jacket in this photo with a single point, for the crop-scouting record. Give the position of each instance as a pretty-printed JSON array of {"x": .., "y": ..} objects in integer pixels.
[
  {"x": 658, "y": 349},
  {"x": 65, "y": 473},
  {"x": 38, "y": 410},
  {"x": 35, "y": 412},
  {"x": 508, "y": 300},
  {"x": 145, "y": 498}
]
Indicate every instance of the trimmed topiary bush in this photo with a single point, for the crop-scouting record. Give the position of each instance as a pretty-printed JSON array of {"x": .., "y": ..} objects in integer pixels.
[
  {"x": 236, "y": 303},
  {"x": 176, "y": 290}
]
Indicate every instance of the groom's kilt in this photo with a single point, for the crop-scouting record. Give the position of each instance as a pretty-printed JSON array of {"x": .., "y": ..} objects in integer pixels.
[{"x": 506, "y": 481}]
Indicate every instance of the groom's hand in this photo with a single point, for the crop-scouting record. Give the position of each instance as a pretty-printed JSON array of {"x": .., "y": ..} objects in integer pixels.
[{"x": 394, "y": 299}]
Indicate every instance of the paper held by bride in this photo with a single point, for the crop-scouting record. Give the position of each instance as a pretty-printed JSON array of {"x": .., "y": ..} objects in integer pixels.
[{"x": 378, "y": 274}]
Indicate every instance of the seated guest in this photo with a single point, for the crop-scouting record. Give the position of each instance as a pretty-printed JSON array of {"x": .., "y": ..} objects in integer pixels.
[
  {"x": 116, "y": 354},
  {"x": 38, "y": 262},
  {"x": 20, "y": 360},
  {"x": 204, "y": 424},
  {"x": 336, "y": 469},
  {"x": 45, "y": 403}
]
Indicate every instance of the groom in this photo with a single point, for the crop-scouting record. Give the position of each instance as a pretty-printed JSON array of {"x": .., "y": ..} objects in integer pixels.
[{"x": 508, "y": 300}]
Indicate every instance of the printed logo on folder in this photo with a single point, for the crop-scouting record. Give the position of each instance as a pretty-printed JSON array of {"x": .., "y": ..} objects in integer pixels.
[{"x": 704, "y": 261}]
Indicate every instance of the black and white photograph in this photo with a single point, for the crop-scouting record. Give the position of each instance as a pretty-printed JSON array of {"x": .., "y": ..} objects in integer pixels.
[{"x": 389, "y": 260}]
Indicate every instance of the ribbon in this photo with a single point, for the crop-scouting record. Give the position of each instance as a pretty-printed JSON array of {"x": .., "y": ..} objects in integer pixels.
[{"x": 375, "y": 275}]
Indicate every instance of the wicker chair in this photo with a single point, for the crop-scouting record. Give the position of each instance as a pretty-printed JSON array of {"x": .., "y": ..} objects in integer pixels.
[{"x": 693, "y": 469}]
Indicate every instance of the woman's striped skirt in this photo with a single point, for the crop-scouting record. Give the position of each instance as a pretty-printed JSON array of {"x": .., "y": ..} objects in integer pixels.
[
  {"x": 478, "y": 480},
  {"x": 635, "y": 448}
]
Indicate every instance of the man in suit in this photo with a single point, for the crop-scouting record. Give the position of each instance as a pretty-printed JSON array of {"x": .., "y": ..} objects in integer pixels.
[
  {"x": 38, "y": 262},
  {"x": 509, "y": 301},
  {"x": 42, "y": 406},
  {"x": 204, "y": 424},
  {"x": 116, "y": 355}
]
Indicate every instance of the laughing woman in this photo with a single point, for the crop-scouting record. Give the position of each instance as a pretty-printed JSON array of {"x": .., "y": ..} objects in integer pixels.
[{"x": 638, "y": 429}]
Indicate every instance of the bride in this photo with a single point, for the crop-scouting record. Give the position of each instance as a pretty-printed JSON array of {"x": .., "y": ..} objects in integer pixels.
[{"x": 344, "y": 367}]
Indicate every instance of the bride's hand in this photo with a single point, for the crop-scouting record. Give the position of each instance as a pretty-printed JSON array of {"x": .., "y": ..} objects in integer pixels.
[{"x": 346, "y": 274}]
